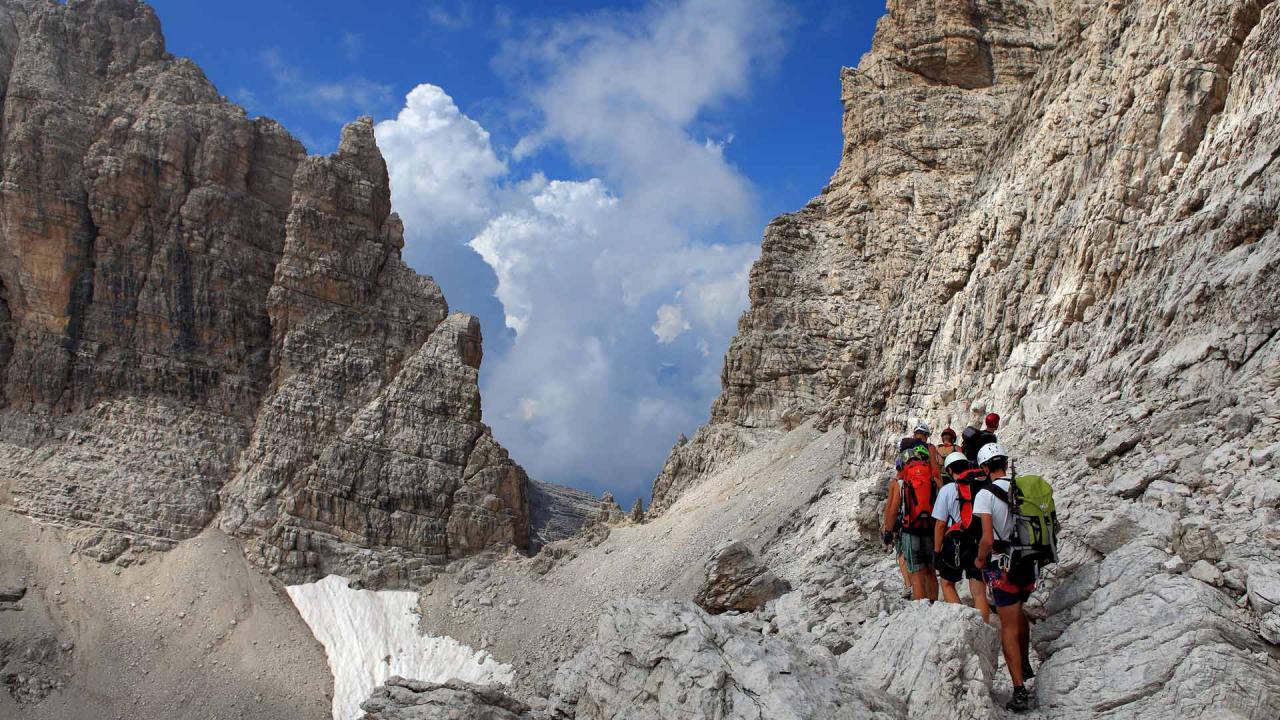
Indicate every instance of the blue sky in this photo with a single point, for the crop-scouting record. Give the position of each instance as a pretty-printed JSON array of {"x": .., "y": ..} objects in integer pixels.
[{"x": 590, "y": 178}]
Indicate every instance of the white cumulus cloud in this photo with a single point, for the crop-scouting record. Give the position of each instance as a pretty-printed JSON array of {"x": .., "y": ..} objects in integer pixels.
[
  {"x": 621, "y": 285},
  {"x": 442, "y": 165},
  {"x": 671, "y": 324}
]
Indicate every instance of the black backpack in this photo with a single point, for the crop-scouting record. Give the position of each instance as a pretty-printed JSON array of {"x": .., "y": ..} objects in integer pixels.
[{"x": 973, "y": 440}]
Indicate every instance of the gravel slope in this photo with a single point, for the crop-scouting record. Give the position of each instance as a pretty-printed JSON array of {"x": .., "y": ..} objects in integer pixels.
[
  {"x": 533, "y": 621},
  {"x": 192, "y": 633}
]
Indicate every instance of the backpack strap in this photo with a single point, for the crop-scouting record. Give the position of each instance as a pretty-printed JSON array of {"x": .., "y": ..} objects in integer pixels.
[{"x": 999, "y": 492}]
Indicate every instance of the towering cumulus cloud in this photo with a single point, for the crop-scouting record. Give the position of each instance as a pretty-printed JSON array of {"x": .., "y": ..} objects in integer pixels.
[{"x": 619, "y": 290}]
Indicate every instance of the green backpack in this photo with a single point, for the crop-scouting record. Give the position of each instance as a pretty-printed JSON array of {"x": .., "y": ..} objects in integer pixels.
[{"x": 1035, "y": 518}]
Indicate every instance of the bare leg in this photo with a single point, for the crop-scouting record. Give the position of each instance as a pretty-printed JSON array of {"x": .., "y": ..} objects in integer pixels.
[
  {"x": 949, "y": 592},
  {"x": 1024, "y": 634},
  {"x": 1011, "y": 641},
  {"x": 920, "y": 584},
  {"x": 902, "y": 568},
  {"x": 978, "y": 590},
  {"x": 931, "y": 584}
]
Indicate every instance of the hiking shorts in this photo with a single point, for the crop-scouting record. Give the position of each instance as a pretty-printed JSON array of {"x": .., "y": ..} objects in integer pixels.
[
  {"x": 917, "y": 550},
  {"x": 958, "y": 574},
  {"x": 1012, "y": 586},
  {"x": 946, "y": 567}
]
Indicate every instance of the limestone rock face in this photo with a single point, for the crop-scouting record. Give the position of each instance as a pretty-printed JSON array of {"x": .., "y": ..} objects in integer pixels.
[
  {"x": 1064, "y": 212},
  {"x": 196, "y": 318},
  {"x": 737, "y": 580},
  {"x": 938, "y": 659},
  {"x": 1136, "y": 642},
  {"x": 557, "y": 512},
  {"x": 655, "y": 660},
  {"x": 1041, "y": 206}
]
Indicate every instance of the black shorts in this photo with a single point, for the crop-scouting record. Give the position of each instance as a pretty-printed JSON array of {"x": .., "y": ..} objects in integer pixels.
[
  {"x": 954, "y": 576},
  {"x": 946, "y": 561}
]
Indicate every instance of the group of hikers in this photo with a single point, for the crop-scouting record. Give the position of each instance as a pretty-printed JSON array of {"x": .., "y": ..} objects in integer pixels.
[{"x": 958, "y": 511}]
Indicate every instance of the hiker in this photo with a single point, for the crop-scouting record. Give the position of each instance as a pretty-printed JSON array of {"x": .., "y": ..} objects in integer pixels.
[
  {"x": 909, "y": 513},
  {"x": 945, "y": 448},
  {"x": 956, "y": 534},
  {"x": 1011, "y": 579},
  {"x": 890, "y": 539},
  {"x": 972, "y": 439},
  {"x": 922, "y": 433}
]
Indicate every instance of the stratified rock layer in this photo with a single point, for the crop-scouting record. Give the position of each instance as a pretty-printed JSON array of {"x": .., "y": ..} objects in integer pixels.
[
  {"x": 196, "y": 318},
  {"x": 557, "y": 512}
]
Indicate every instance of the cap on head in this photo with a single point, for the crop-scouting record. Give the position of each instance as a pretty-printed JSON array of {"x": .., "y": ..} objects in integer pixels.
[
  {"x": 954, "y": 458},
  {"x": 991, "y": 451},
  {"x": 923, "y": 428},
  {"x": 993, "y": 421},
  {"x": 948, "y": 432}
]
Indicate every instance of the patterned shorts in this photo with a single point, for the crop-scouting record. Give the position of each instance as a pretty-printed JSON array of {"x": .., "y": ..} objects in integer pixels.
[{"x": 917, "y": 550}]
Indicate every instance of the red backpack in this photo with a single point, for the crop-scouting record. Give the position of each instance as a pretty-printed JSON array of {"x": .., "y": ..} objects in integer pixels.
[
  {"x": 968, "y": 483},
  {"x": 918, "y": 490}
]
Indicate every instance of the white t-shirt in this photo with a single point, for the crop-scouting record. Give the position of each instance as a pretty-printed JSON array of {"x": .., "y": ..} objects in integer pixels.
[
  {"x": 985, "y": 503},
  {"x": 946, "y": 508}
]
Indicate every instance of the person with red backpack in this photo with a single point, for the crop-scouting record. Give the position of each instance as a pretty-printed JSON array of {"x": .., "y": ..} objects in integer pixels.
[
  {"x": 956, "y": 534},
  {"x": 909, "y": 511}
]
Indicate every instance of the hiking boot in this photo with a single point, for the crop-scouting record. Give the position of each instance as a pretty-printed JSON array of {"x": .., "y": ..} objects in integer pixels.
[
  {"x": 1021, "y": 700},
  {"x": 1027, "y": 672}
]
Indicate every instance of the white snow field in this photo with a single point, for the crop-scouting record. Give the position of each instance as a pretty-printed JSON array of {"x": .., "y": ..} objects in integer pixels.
[{"x": 370, "y": 636}]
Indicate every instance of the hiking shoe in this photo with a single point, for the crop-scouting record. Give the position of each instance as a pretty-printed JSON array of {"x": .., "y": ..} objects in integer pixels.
[
  {"x": 1027, "y": 672},
  {"x": 1021, "y": 700}
]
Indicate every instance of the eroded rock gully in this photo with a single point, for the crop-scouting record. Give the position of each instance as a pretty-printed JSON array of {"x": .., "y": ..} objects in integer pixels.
[{"x": 198, "y": 321}]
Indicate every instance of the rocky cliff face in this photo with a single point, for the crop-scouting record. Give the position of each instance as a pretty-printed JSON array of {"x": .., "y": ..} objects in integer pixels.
[
  {"x": 1040, "y": 205},
  {"x": 197, "y": 320},
  {"x": 1066, "y": 212}
]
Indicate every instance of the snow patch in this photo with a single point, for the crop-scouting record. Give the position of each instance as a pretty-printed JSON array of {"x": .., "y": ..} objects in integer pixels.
[{"x": 370, "y": 636}]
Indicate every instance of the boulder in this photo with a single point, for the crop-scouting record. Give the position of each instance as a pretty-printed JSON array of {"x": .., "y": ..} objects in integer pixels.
[
  {"x": 1206, "y": 572},
  {"x": 1130, "y": 485},
  {"x": 1111, "y": 447},
  {"x": 12, "y": 593},
  {"x": 1263, "y": 586},
  {"x": 1129, "y": 522},
  {"x": 1269, "y": 627},
  {"x": 940, "y": 659},
  {"x": 1148, "y": 645},
  {"x": 737, "y": 580},
  {"x": 1198, "y": 541},
  {"x": 661, "y": 660},
  {"x": 401, "y": 699}
]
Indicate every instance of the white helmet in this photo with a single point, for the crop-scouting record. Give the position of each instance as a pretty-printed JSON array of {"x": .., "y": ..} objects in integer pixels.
[
  {"x": 954, "y": 457},
  {"x": 989, "y": 451},
  {"x": 923, "y": 427}
]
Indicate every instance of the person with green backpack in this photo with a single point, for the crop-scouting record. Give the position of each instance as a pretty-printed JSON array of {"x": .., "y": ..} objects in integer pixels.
[{"x": 1018, "y": 537}]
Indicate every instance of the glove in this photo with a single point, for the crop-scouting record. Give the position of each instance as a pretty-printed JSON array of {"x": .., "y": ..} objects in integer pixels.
[{"x": 887, "y": 537}]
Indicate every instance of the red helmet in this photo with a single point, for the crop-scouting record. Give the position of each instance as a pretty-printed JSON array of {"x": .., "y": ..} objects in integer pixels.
[
  {"x": 993, "y": 420},
  {"x": 950, "y": 432}
]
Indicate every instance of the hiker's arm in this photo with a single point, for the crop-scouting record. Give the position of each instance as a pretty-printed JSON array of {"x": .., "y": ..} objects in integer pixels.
[
  {"x": 937, "y": 535},
  {"x": 891, "y": 508},
  {"x": 987, "y": 542}
]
